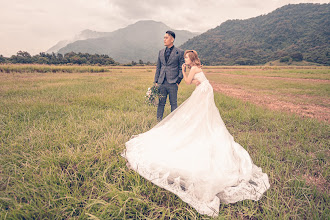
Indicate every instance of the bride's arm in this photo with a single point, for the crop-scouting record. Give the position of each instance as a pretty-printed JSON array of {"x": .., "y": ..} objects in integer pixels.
[
  {"x": 188, "y": 78},
  {"x": 196, "y": 82}
]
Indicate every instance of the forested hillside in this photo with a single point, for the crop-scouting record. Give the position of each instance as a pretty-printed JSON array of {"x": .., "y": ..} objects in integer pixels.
[{"x": 293, "y": 32}]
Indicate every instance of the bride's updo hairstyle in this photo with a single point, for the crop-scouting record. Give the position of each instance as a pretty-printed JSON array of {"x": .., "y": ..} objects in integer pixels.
[{"x": 192, "y": 54}]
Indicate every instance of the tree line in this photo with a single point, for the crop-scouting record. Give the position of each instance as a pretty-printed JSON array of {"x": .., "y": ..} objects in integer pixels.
[{"x": 24, "y": 57}]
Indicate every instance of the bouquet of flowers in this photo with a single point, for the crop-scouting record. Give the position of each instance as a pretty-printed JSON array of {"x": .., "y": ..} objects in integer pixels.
[{"x": 153, "y": 95}]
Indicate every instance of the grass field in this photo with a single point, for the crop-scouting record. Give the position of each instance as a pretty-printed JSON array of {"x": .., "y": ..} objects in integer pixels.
[
  {"x": 304, "y": 91},
  {"x": 61, "y": 135},
  {"x": 36, "y": 68}
]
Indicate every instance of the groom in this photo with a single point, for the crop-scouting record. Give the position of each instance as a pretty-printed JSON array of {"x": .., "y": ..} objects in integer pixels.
[{"x": 168, "y": 73}]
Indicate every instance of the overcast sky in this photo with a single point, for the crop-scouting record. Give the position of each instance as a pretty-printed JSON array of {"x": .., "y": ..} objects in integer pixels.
[{"x": 37, "y": 25}]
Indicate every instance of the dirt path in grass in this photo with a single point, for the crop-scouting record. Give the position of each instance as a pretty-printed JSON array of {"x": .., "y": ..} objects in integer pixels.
[
  {"x": 273, "y": 102},
  {"x": 272, "y": 77}
]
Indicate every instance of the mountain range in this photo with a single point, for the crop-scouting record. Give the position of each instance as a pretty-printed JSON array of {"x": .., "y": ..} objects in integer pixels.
[
  {"x": 85, "y": 34},
  {"x": 301, "y": 30},
  {"x": 139, "y": 41},
  {"x": 295, "y": 30}
]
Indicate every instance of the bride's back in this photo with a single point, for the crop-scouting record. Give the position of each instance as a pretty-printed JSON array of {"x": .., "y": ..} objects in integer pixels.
[{"x": 200, "y": 76}]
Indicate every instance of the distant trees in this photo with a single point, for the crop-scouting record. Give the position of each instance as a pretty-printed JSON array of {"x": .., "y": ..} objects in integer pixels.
[
  {"x": 21, "y": 57},
  {"x": 2, "y": 59},
  {"x": 293, "y": 57},
  {"x": 285, "y": 59},
  {"x": 297, "y": 57},
  {"x": 53, "y": 58},
  {"x": 140, "y": 63},
  {"x": 244, "y": 61}
]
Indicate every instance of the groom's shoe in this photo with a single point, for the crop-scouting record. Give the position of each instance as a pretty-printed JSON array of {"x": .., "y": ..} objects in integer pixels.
[{"x": 159, "y": 119}]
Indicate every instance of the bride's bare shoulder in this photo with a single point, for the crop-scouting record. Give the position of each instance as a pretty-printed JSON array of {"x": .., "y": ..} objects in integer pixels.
[{"x": 196, "y": 69}]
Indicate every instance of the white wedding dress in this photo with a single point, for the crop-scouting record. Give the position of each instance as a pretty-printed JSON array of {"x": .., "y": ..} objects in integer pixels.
[{"x": 192, "y": 154}]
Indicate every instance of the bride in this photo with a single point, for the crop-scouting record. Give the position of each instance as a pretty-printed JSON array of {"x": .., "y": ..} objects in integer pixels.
[{"x": 192, "y": 154}]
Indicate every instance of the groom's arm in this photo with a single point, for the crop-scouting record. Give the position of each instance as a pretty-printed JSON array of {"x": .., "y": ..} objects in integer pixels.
[
  {"x": 181, "y": 61},
  {"x": 157, "y": 70}
]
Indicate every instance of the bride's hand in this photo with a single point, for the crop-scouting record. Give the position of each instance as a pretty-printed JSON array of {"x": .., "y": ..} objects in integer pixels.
[
  {"x": 197, "y": 82},
  {"x": 184, "y": 67}
]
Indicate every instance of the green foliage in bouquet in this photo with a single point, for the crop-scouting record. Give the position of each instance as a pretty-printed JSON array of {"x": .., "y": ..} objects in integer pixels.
[{"x": 153, "y": 95}]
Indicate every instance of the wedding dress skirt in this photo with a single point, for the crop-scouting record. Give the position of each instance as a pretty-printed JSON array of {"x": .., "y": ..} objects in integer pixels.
[{"x": 192, "y": 154}]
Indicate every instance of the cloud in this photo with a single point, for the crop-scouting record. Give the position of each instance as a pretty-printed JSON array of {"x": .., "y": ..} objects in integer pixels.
[{"x": 36, "y": 25}]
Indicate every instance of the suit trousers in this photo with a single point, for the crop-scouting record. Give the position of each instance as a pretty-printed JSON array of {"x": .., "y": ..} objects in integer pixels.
[{"x": 165, "y": 89}]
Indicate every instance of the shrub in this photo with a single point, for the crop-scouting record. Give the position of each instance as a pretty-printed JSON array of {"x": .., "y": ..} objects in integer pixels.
[{"x": 285, "y": 59}]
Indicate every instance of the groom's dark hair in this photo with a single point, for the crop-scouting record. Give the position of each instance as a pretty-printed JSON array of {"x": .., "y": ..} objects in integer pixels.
[{"x": 171, "y": 33}]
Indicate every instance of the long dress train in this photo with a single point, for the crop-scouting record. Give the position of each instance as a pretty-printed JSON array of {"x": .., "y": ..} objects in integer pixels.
[{"x": 192, "y": 154}]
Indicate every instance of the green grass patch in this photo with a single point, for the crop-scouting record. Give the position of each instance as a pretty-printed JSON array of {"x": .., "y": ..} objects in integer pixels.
[
  {"x": 35, "y": 68},
  {"x": 293, "y": 72},
  {"x": 294, "y": 85}
]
